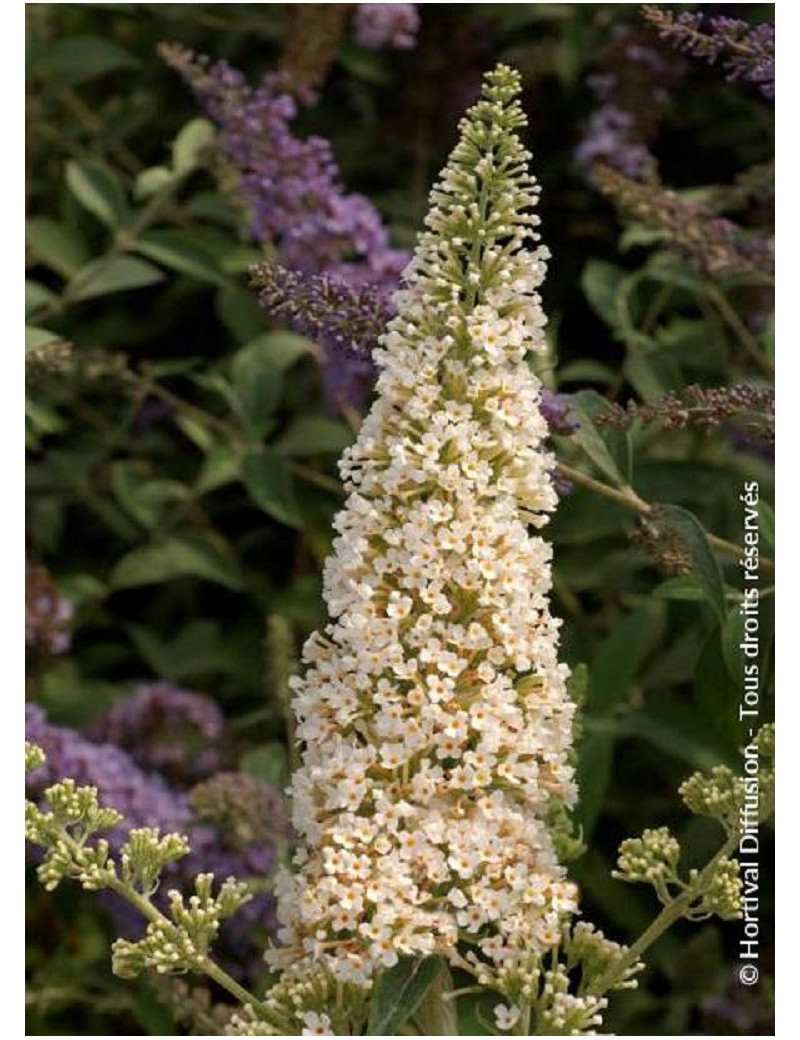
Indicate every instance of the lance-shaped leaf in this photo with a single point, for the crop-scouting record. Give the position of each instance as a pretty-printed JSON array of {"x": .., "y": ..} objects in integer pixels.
[{"x": 399, "y": 993}]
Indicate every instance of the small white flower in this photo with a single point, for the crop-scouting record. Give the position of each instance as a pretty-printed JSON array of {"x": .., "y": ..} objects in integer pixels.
[
  {"x": 316, "y": 1025},
  {"x": 506, "y": 1017}
]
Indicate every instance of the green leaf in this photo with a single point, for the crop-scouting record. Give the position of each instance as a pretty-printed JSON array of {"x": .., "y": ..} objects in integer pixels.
[
  {"x": 614, "y": 666},
  {"x": 189, "y": 145},
  {"x": 210, "y": 206},
  {"x": 732, "y": 636},
  {"x": 767, "y": 337},
  {"x": 399, "y": 992},
  {"x": 602, "y": 284},
  {"x": 436, "y": 1015},
  {"x": 695, "y": 344},
  {"x": 151, "y": 1013},
  {"x": 683, "y": 587},
  {"x": 671, "y": 269},
  {"x": 706, "y": 568},
  {"x": 120, "y": 274},
  {"x": 143, "y": 497},
  {"x": 151, "y": 181},
  {"x": 583, "y": 517},
  {"x": 586, "y": 404},
  {"x": 651, "y": 373},
  {"x": 175, "y": 558},
  {"x": 680, "y": 480},
  {"x": 165, "y": 367},
  {"x": 42, "y": 418},
  {"x": 363, "y": 64},
  {"x": 268, "y": 477},
  {"x": 639, "y": 235},
  {"x": 238, "y": 257},
  {"x": 286, "y": 348},
  {"x": 78, "y": 59},
  {"x": 675, "y": 735},
  {"x": 586, "y": 371},
  {"x": 176, "y": 250},
  {"x": 81, "y": 588},
  {"x": 56, "y": 246},
  {"x": 36, "y": 297},
  {"x": 593, "y": 774},
  {"x": 35, "y": 338},
  {"x": 257, "y": 385},
  {"x": 99, "y": 190},
  {"x": 314, "y": 435},
  {"x": 195, "y": 650},
  {"x": 198, "y": 432},
  {"x": 766, "y": 525},
  {"x": 239, "y": 312},
  {"x": 222, "y": 465},
  {"x": 476, "y": 1010}
]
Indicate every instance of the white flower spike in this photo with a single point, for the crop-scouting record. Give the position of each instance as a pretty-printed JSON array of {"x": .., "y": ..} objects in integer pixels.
[{"x": 433, "y": 714}]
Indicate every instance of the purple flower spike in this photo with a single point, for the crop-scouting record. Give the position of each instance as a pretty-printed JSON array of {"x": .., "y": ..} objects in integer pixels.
[
  {"x": 747, "y": 52},
  {"x": 296, "y": 203}
]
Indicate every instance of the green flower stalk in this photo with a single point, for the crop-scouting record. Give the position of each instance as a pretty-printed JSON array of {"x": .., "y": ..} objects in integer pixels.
[
  {"x": 67, "y": 825},
  {"x": 433, "y": 714}
]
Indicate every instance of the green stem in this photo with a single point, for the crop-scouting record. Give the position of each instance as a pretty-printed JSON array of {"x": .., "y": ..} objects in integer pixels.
[
  {"x": 122, "y": 242},
  {"x": 235, "y": 436},
  {"x": 741, "y": 331},
  {"x": 627, "y": 497},
  {"x": 209, "y": 967},
  {"x": 94, "y": 125},
  {"x": 151, "y": 913},
  {"x": 668, "y": 916}
]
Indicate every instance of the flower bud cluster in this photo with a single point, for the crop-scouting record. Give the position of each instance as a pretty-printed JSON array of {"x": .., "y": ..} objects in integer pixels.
[
  {"x": 653, "y": 858},
  {"x": 181, "y": 942},
  {"x": 723, "y": 895},
  {"x": 719, "y": 793}
]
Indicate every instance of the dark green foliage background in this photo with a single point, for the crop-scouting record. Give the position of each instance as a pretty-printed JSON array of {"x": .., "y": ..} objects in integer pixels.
[{"x": 182, "y": 471}]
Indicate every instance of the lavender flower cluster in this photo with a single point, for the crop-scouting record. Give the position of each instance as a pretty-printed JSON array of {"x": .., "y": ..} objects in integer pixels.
[
  {"x": 322, "y": 306},
  {"x": 291, "y": 184},
  {"x": 144, "y": 799},
  {"x": 703, "y": 408},
  {"x": 610, "y": 139},
  {"x": 556, "y": 411},
  {"x": 347, "y": 319},
  {"x": 171, "y": 731},
  {"x": 130, "y": 783},
  {"x": 292, "y": 188},
  {"x": 747, "y": 52},
  {"x": 715, "y": 243},
  {"x": 632, "y": 89},
  {"x": 386, "y": 25}
]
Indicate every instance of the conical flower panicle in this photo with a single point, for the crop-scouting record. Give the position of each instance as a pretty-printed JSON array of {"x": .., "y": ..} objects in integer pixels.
[{"x": 433, "y": 714}]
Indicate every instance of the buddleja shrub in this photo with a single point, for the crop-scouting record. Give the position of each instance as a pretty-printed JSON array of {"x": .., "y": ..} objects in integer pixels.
[{"x": 431, "y": 802}]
